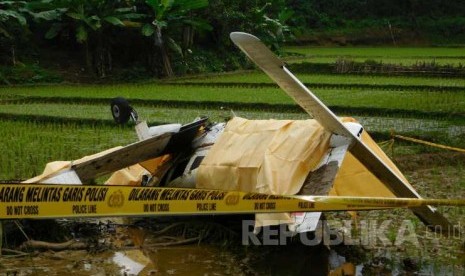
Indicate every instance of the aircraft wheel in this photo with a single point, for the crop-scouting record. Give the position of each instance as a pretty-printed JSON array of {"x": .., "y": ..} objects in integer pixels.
[{"x": 121, "y": 110}]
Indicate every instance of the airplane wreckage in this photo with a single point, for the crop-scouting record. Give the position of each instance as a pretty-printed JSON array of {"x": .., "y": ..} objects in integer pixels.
[{"x": 281, "y": 170}]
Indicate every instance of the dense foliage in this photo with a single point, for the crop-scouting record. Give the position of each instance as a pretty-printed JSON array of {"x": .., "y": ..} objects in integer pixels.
[
  {"x": 385, "y": 21},
  {"x": 133, "y": 39}
]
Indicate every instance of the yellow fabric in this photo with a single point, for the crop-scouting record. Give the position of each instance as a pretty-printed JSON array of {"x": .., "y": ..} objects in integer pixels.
[
  {"x": 50, "y": 169},
  {"x": 267, "y": 156},
  {"x": 57, "y": 166},
  {"x": 130, "y": 176},
  {"x": 152, "y": 165},
  {"x": 276, "y": 156},
  {"x": 263, "y": 156},
  {"x": 353, "y": 179}
]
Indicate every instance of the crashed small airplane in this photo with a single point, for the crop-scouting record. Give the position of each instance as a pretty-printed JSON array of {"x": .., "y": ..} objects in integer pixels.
[{"x": 325, "y": 156}]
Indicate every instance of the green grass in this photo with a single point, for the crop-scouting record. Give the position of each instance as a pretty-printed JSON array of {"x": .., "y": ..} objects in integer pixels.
[
  {"x": 154, "y": 114},
  {"x": 387, "y": 55},
  {"x": 27, "y": 146},
  {"x": 151, "y": 92},
  {"x": 377, "y": 124},
  {"x": 159, "y": 114},
  {"x": 370, "y": 52},
  {"x": 406, "y": 61},
  {"x": 406, "y": 100},
  {"x": 260, "y": 77},
  {"x": 448, "y": 102}
]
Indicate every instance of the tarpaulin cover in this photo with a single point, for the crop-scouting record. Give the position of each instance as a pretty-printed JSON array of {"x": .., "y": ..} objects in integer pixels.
[
  {"x": 275, "y": 157},
  {"x": 268, "y": 156},
  {"x": 132, "y": 175},
  {"x": 354, "y": 179}
]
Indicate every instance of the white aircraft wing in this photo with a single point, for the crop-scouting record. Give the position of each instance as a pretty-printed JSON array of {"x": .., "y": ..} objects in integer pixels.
[
  {"x": 276, "y": 70},
  {"x": 122, "y": 158}
]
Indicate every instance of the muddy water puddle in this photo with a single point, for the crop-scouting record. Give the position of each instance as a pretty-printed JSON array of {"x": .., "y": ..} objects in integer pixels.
[
  {"x": 218, "y": 260},
  {"x": 138, "y": 251}
]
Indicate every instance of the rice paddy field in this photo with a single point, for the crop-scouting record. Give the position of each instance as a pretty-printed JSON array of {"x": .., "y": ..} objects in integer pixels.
[
  {"x": 378, "y": 82},
  {"x": 400, "y": 55},
  {"x": 39, "y": 124}
]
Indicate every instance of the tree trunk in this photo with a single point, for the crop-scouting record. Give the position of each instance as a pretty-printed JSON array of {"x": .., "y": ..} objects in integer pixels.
[
  {"x": 153, "y": 58},
  {"x": 88, "y": 57},
  {"x": 412, "y": 14},
  {"x": 159, "y": 43},
  {"x": 109, "y": 60},
  {"x": 100, "y": 57},
  {"x": 188, "y": 38},
  {"x": 13, "y": 55},
  {"x": 168, "y": 70},
  {"x": 392, "y": 33}
]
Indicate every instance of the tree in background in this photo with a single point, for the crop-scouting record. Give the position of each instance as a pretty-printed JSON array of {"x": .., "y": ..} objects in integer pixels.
[
  {"x": 13, "y": 26},
  {"x": 175, "y": 15},
  {"x": 193, "y": 35},
  {"x": 262, "y": 18},
  {"x": 172, "y": 30},
  {"x": 273, "y": 31},
  {"x": 92, "y": 22}
]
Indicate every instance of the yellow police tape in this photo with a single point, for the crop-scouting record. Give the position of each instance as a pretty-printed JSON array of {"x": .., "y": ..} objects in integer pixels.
[
  {"x": 60, "y": 201},
  {"x": 428, "y": 143}
]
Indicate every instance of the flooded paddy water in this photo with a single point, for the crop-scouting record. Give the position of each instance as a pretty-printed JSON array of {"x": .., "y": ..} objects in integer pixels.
[
  {"x": 135, "y": 251},
  {"x": 214, "y": 260}
]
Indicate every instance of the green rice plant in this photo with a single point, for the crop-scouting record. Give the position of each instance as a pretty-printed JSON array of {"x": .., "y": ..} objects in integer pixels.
[
  {"x": 156, "y": 114},
  {"x": 405, "y": 125},
  {"x": 406, "y": 100},
  {"x": 152, "y": 92},
  {"x": 445, "y": 102},
  {"x": 351, "y": 101},
  {"x": 390, "y": 52},
  {"x": 67, "y": 111},
  {"x": 152, "y": 113},
  {"x": 27, "y": 146},
  {"x": 448, "y": 102},
  {"x": 404, "y": 61},
  {"x": 260, "y": 77},
  {"x": 400, "y": 56}
]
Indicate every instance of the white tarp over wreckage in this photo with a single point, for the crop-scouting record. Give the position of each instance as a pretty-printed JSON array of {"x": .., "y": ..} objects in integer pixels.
[{"x": 277, "y": 156}]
